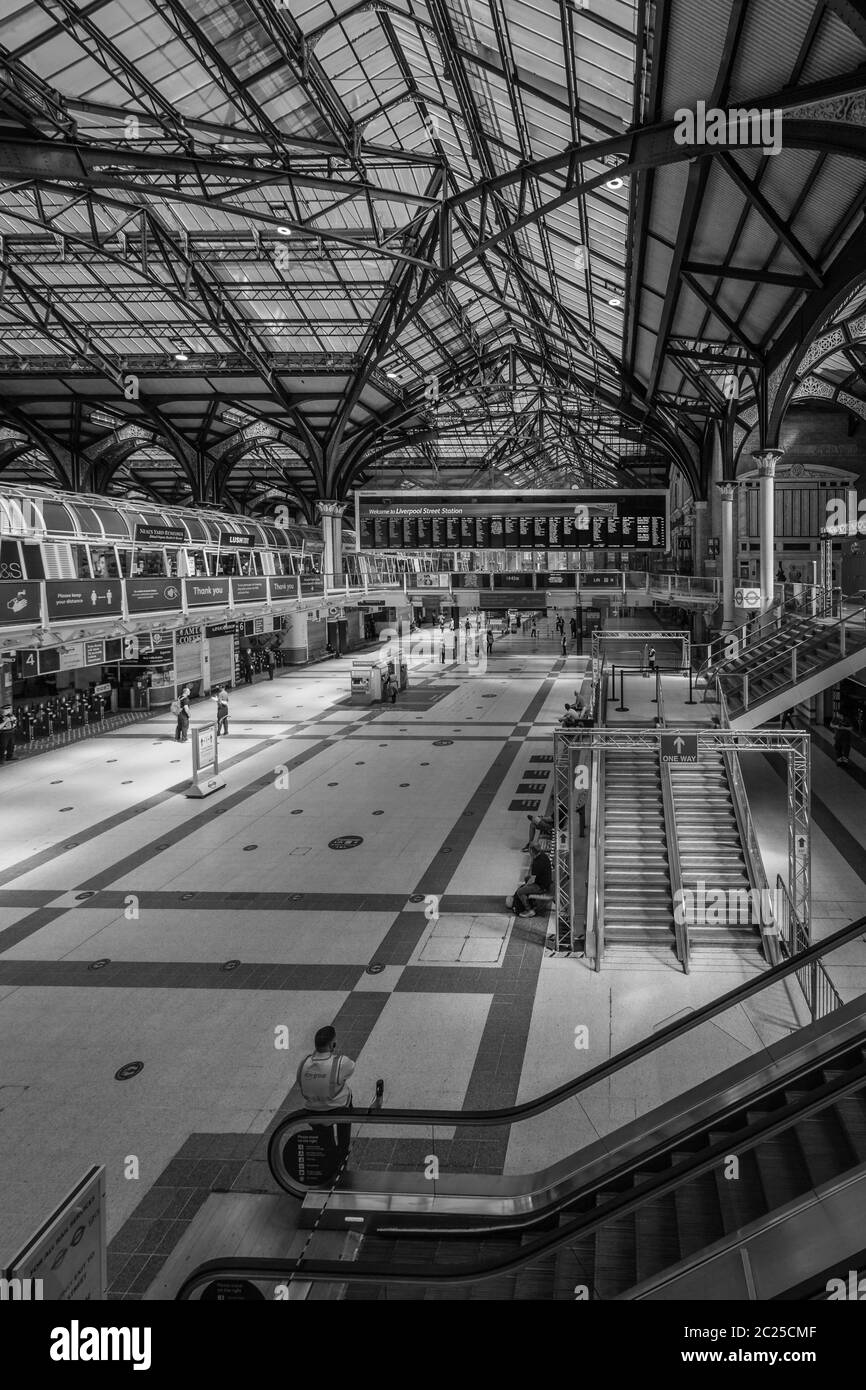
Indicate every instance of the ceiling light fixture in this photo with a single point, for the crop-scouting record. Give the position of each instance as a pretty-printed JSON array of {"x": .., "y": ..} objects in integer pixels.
[
  {"x": 284, "y": 231},
  {"x": 614, "y": 184},
  {"x": 615, "y": 301},
  {"x": 181, "y": 355}
]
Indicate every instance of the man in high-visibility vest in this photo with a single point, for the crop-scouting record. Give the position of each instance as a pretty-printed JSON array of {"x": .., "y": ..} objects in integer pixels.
[{"x": 322, "y": 1080}]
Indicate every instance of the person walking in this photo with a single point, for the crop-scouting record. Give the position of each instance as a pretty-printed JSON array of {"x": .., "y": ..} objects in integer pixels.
[
  {"x": 222, "y": 704},
  {"x": 842, "y": 740},
  {"x": 489, "y": 641},
  {"x": 181, "y": 732},
  {"x": 574, "y": 629},
  {"x": 564, "y": 644},
  {"x": 322, "y": 1080},
  {"x": 8, "y": 725},
  {"x": 271, "y": 662},
  {"x": 248, "y": 668}
]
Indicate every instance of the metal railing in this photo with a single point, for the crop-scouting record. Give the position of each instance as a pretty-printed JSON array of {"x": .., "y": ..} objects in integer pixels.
[
  {"x": 793, "y": 664},
  {"x": 595, "y": 874},
  {"x": 681, "y": 927},
  {"x": 821, "y": 995},
  {"x": 752, "y": 852},
  {"x": 732, "y": 645}
]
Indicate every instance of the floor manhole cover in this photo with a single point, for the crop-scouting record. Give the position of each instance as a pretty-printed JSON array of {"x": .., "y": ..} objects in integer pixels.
[
  {"x": 378, "y": 813},
  {"x": 247, "y": 848},
  {"x": 346, "y": 842},
  {"x": 442, "y": 742},
  {"x": 58, "y": 783},
  {"x": 375, "y": 969},
  {"x": 128, "y": 1070},
  {"x": 404, "y": 784},
  {"x": 417, "y": 897},
  {"x": 229, "y": 966},
  {"x": 99, "y": 964},
  {"x": 67, "y": 808},
  {"x": 298, "y": 812},
  {"x": 333, "y": 784},
  {"x": 79, "y": 897}
]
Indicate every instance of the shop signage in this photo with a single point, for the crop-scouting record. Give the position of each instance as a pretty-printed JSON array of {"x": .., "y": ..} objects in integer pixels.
[
  {"x": 68, "y": 1252},
  {"x": 185, "y": 636},
  {"x": 559, "y": 579},
  {"x": 19, "y": 602},
  {"x": 155, "y": 655},
  {"x": 71, "y": 656},
  {"x": 94, "y": 653},
  {"x": 458, "y": 581},
  {"x": 283, "y": 588},
  {"x": 149, "y": 595},
  {"x": 221, "y": 629},
  {"x": 83, "y": 598},
  {"x": 104, "y": 689},
  {"x": 249, "y": 590},
  {"x": 206, "y": 593},
  {"x": 514, "y": 581},
  {"x": 312, "y": 584},
  {"x": 160, "y": 535},
  {"x": 235, "y": 540},
  {"x": 600, "y": 581}
]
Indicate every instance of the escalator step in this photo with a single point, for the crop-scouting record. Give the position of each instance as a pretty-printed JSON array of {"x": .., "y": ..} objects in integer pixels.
[
  {"x": 699, "y": 1215},
  {"x": 827, "y": 1150},
  {"x": 615, "y": 1255},
  {"x": 741, "y": 1199},
  {"x": 852, "y": 1115},
  {"x": 784, "y": 1174},
  {"x": 657, "y": 1243}
]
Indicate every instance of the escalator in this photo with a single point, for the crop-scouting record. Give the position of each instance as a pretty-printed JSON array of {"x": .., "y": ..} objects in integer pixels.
[
  {"x": 636, "y": 893},
  {"x": 741, "y": 1147}
]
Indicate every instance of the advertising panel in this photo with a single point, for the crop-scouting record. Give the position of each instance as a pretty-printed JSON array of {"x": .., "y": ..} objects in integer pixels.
[
  {"x": 152, "y": 595},
  {"x": 19, "y": 603},
  {"x": 251, "y": 590},
  {"x": 83, "y": 598},
  {"x": 206, "y": 593}
]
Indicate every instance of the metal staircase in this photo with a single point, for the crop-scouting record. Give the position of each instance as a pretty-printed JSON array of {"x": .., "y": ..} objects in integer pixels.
[
  {"x": 637, "y": 901},
  {"x": 756, "y": 690},
  {"x": 711, "y": 853}
]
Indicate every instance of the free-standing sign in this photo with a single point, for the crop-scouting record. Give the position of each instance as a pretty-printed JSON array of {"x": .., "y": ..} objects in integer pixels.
[
  {"x": 83, "y": 598},
  {"x": 19, "y": 602},
  {"x": 679, "y": 748},
  {"x": 152, "y": 595},
  {"x": 309, "y": 1160},
  {"x": 251, "y": 590},
  {"x": 206, "y": 593},
  {"x": 68, "y": 1252},
  {"x": 205, "y": 761}
]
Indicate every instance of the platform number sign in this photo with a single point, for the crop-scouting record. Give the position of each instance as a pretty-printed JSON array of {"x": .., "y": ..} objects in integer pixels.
[{"x": 679, "y": 748}]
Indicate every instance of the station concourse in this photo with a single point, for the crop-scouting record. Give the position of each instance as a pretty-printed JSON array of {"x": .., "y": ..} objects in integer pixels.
[{"x": 433, "y": 634}]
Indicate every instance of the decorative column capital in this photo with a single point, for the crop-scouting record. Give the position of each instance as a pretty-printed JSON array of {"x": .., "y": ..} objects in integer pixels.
[
  {"x": 330, "y": 507},
  {"x": 767, "y": 460},
  {"x": 726, "y": 491}
]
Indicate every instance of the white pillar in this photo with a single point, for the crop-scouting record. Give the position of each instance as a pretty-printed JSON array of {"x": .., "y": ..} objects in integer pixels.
[
  {"x": 331, "y": 514},
  {"x": 766, "y": 461},
  {"x": 726, "y": 495}
]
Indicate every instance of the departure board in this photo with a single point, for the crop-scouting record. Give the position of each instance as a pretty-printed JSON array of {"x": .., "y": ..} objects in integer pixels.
[{"x": 595, "y": 519}]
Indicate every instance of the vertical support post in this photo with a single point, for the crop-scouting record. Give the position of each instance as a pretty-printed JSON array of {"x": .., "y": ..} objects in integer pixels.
[
  {"x": 726, "y": 492},
  {"x": 331, "y": 514},
  {"x": 799, "y": 831},
  {"x": 766, "y": 462},
  {"x": 562, "y": 842}
]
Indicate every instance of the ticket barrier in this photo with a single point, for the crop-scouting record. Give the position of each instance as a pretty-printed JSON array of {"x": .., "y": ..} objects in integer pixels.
[{"x": 368, "y": 681}]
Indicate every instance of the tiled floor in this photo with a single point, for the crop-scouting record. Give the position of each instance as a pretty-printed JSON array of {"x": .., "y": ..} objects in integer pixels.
[{"x": 195, "y": 936}]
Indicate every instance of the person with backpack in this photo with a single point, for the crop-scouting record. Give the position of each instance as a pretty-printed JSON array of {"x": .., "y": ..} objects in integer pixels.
[
  {"x": 222, "y": 717},
  {"x": 322, "y": 1080},
  {"x": 180, "y": 707}
]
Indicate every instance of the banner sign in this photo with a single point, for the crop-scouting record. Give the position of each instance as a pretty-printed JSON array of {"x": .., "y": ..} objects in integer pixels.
[
  {"x": 20, "y": 603},
  {"x": 206, "y": 593},
  {"x": 150, "y": 595},
  {"x": 599, "y": 518},
  {"x": 160, "y": 535},
  {"x": 312, "y": 584},
  {"x": 235, "y": 540},
  {"x": 68, "y": 1252},
  {"x": 83, "y": 598},
  {"x": 283, "y": 588},
  {"x": 251, "y": 590}
]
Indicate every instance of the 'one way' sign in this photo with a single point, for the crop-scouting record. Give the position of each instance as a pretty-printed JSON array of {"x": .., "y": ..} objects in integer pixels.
[{"x": 679, "y": 748}]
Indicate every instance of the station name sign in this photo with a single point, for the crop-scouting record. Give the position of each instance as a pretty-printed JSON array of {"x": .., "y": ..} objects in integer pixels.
[{"x": 160, "y": 535}]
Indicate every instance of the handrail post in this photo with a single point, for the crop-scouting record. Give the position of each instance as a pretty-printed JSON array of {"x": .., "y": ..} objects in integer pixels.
[{"x": 842, "y": 638}]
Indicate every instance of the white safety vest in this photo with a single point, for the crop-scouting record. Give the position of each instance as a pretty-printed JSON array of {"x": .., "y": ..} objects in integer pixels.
[{"x": 322, "y": 1081}]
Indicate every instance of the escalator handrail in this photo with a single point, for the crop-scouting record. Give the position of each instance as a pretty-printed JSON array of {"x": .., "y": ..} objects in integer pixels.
[
  {"x": 537, "y": 1106},
  {"x": 774, "y": 1122}
]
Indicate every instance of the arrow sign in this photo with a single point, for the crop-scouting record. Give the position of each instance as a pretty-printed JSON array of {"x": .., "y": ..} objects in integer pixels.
[{"x": 679, "y": 748}]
